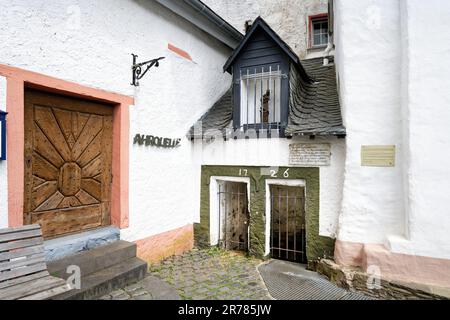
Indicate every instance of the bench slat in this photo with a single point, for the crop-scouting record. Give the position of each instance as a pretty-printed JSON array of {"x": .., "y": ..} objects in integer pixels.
[
  {"x": 6, "y": 275},
  {"x": 23, "y": 271},
  {"x": 21, "y": 235},
  {"x": 28, "y": 261},
  {"x": 18, "y": 229},
  {"x": 21, "y": 280},
  {"x": 48, "y": 294},
  {"x": 31, "y": 288},
  {"x": 20, "y": 244},
  {"x": 22, "y": 252}
]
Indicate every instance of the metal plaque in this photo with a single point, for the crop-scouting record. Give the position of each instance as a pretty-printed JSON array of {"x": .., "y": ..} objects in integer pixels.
[
  {"x": 310, "y": 154},
  {"x": 378, "y": 156}
]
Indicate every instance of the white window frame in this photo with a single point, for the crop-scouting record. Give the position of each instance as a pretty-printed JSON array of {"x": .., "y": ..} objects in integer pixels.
[{"x": 247, "y": 102}]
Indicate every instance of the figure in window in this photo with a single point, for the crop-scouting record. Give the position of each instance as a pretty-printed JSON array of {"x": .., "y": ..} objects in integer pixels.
[{"x": 265, "y": 107}]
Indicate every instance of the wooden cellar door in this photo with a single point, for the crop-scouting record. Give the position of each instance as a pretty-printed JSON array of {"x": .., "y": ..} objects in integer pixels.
[
  {"x": 68, "y": 147},
  {"x": 234, "y": 216}
]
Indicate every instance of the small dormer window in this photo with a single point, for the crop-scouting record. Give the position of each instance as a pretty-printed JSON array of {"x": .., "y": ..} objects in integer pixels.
[
  {"x": 260, "y": 92},
  {"x": 261, "y": 67},
  {"x": 272, "y": 94}
]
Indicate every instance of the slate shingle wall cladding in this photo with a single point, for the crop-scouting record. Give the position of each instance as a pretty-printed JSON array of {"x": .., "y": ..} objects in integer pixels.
[
  {"x": 314, "y": 107},
  {"x": 215, "y": 119},
  {"x": 316, "y": 245}
]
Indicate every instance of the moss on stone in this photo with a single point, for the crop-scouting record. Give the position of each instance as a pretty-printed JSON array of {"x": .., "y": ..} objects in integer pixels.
[{"x": 316, "y": 246}]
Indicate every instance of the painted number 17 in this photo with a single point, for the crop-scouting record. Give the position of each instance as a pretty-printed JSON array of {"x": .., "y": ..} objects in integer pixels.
[{"x": 243, "y": 172}]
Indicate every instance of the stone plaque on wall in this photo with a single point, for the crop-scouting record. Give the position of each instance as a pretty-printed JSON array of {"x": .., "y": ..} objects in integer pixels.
[
  {"x": 310, "y": 154},
  {"x": 378, "y": 156}
]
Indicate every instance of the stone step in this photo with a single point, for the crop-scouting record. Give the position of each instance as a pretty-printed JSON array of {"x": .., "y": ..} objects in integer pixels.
[
  {"x": 104, "y": 281},
  {"x": 61, "y": 247},
  {"x": 92, "y": 261}
]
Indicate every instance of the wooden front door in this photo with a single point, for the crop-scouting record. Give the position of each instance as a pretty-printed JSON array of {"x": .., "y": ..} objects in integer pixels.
[{"x": 68, "y": 146}]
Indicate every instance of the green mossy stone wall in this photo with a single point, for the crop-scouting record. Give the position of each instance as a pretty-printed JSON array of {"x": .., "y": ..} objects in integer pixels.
[{"x": 316, "y": 246}]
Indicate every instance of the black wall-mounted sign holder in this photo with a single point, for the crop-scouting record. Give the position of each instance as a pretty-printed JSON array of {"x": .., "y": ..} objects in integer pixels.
[{"x": 137, "y": 68}]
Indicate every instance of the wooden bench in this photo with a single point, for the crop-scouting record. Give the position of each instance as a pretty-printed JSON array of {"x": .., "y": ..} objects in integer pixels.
[{"x": 23, "y": 271}]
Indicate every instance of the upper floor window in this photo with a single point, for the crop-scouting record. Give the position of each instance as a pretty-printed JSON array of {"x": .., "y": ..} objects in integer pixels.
[
  {"x": 319, "y": 30},
  {"x": 260, "y": 97}
]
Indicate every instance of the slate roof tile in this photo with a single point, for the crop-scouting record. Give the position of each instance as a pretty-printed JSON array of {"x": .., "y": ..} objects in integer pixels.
[{"x": 314, "y": 107}]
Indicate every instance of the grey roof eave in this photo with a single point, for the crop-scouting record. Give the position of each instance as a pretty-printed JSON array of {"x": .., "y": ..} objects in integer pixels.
[
  {"x": 339, "y": 133},
  {"x": 206, "y": 19}
]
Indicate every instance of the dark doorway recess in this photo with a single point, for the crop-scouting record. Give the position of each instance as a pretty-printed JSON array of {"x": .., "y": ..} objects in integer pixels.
[
  {"x": 288, "y": 231},
  {"x": 233, "y": 216}
]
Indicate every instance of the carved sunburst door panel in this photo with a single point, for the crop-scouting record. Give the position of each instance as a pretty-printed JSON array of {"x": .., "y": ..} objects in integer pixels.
[{"x": 67, "y": 163}]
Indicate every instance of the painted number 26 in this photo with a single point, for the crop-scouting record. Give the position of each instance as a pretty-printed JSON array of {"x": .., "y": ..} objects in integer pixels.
[{"x": 273, "y": 173}]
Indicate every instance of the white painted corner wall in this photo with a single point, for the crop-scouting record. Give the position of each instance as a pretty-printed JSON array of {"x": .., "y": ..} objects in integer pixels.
[
  {"x": 426, "y": 106},
  {"x": 368, "y": 59},
  {"x": 394, "y": 79}
]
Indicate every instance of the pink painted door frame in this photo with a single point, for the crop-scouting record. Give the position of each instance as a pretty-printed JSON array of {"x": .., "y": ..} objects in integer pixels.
[{"x": 17, "y": 81}]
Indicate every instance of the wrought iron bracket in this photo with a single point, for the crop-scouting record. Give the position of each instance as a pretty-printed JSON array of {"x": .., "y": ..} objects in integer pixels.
[{"x": 137, "y": 68}]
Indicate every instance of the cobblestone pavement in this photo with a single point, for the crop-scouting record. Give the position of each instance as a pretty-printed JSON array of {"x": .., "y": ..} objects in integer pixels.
[
  {"x": 150, "y": 288},
  {"x": 199, "y": 275},
  {"x": 213, "y": 275},
  {"x": 216, "y": 274}
]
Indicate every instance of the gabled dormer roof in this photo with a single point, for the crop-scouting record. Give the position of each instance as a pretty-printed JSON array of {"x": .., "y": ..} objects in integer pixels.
[
  {"x": 314, "y": 108},
  {"x": 260, "y": 24}
]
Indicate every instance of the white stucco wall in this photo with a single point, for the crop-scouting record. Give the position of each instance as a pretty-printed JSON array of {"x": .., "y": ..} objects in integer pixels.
[
  {"x": 426, "y": 106},
  {"x": 275, "y": 153},
  {"x": 90, "y": 42},
  {"x": 394, "y": 88},
  {"x": 368, "y": 62},
  {"x": 289, "y": 18},
  {"x": 3, "y": 166}
]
